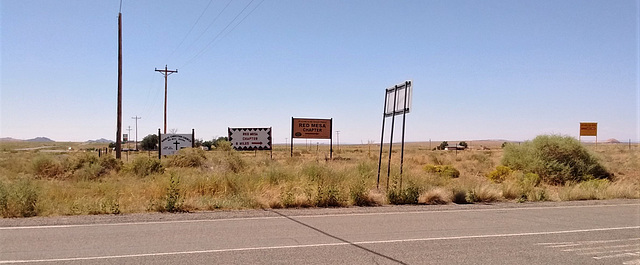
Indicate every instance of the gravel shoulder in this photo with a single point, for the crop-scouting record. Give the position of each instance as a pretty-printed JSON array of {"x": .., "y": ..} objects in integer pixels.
[{"x": 256, "y": 213}]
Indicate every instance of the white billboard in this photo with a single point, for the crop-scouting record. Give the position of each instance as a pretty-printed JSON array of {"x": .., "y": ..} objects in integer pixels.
[
  {"x": 245, "y": 139},
  {"x": 171, "y": 143},
  {"x": 398, "y": 99}
]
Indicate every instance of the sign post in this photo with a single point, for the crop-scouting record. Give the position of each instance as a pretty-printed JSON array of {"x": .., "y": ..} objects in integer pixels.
[{"x": 312, "y": 129}]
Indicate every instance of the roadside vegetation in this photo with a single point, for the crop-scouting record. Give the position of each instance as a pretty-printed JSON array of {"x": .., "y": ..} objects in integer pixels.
[{"x": 35, "y": 182}]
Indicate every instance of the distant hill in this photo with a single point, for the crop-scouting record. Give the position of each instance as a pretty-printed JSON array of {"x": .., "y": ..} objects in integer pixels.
[
  {"x": 40, "y": 140},
  {"x": 99, "y": 141},
  {"x": 9, "y": 139}
]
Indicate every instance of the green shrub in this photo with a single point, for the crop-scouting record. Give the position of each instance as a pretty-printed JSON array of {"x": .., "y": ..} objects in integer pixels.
[
  {"x": 4, "y": 200},
  {"x": 442, "y": 170},
  {"x": 408, "y": 195},
  {"x": 234, "y": 162},
  {"x": 144, "y": 166},
  {"x": 500, "y": 174},
  {"x": 187, "y": 157},
  {"x": 173, "y": 197},
  {"x": 556, "y": 159},
  {"x": 360, "y": 195},
  {"x": 47, "y": 167},
  {"x": 19, "y": 199},
  {"x": 329, "y": 196},
  {"x": 110, "y": 163}
]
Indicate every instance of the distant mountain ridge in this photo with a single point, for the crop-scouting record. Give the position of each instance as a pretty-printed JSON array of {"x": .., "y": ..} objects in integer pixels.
[
  {"x": 40, "y": 140},
  {"x": 37, "y": 139},
  {"x": 99, "y": 141}
]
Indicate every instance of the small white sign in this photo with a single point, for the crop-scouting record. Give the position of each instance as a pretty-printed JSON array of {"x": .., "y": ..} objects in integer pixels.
[
  {"x": 245, "y": 139},
  {"x": 171, "y": 143}
]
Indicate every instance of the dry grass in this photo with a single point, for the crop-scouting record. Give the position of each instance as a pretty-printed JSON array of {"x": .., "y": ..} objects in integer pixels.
[{"x": 76, "y": 182}]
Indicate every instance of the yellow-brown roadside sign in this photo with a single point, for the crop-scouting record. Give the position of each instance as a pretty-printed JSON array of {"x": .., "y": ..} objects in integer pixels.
[
  {"x": 588, "y": 129},
  {"x": 311, "y": 128}
]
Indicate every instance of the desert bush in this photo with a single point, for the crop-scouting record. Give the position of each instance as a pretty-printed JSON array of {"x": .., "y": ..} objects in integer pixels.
[
  {"x": 234, "y": 162},
  {"x": 4, "y": 200},
  {"x": 46, "y": 166},
  {"x": 459, "y": 196},
  {"x": 435, "y": 196},
  {"x": 556, "y": 159},
  {"x": 110, "y": 163},
  {"x": 173, "y": 197},
  {"x": 500, "y": 174},
  {"x": 329, "y": 196},
  {"x": 442, "y": 170},
  {"x": 483, "y": 193},
  {"x": 360, "y": 195},
  {"x": 19, "y": 199},
  {"x": 223, "y": 145},
  {"x": 187, "y": 157},
  {"x": 408, "y": 195},
  {"x": 143, "y": 166}
]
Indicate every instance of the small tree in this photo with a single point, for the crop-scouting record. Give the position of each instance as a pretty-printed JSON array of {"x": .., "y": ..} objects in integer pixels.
[
  {"x": 443, "y": 145},
  {"x": 208, "y": 144},
  {"x": 220, "y": 139},
  {"x": 149, "y": 142},
  {"x": 463, "y": 144}
]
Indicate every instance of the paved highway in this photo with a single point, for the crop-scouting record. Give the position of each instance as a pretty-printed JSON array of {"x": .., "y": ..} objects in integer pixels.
[{"x": 591, "y": 232}]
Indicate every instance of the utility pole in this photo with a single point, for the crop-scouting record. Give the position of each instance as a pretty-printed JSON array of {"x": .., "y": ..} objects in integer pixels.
[
  {"x": 136, "y": 118},
  {"x": 128, "y": 137},
  {"x": 166, "y": 72},
  {"x": 119, "y": 122}
]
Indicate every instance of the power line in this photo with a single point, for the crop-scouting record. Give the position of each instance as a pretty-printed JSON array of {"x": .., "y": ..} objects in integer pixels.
[
  {"x": 245, "y": 17},
  {"x": 218, "y": 35},
  {"x": 191, "y": 29},
  {"x": 210, "y": 24}
]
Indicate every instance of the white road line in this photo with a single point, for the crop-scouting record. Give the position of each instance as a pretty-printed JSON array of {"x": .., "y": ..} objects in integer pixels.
[
  {"x": 581, "y": 243},
  {"x": 632, "y": 262},
  {"x": 599, "y": 248},
  {"x": 318, "y": 245},
  {"x": 628, "y": 254},
  {"x": 608, "y": 251},
  {"x": 316, "y": 216}
]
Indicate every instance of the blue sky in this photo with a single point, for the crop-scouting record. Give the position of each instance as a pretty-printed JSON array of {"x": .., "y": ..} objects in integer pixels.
[{"x": 480, "y": 69}]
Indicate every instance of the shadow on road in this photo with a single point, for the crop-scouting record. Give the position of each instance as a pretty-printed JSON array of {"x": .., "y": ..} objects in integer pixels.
[{"x": 337, "y": 238}]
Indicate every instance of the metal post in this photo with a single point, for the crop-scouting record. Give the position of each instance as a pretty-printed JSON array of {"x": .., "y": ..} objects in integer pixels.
[
  {"x": 393, "y": 121},
  {"x": 404, "y": 116},
  {"x": 384, "y": 117},
  {"x": 331, "y": 139},
  {"x": 159, "y": 144}
]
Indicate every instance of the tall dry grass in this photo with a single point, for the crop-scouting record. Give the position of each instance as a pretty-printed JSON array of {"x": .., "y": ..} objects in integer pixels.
[{"x": 73, "y": 183}]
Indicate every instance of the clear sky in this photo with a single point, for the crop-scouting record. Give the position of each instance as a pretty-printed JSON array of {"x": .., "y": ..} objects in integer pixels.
[{"x": 480, "y": 69}]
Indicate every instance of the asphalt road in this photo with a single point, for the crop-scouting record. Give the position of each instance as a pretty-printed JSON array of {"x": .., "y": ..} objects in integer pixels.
[{"x": 592, "y": 232}]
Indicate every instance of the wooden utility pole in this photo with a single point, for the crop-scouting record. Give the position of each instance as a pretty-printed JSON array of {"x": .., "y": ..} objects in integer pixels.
[
  {"x": 166, "y": 72},
  {"x": 136, "y": 118},
  {"x": 119, "y": 123}
]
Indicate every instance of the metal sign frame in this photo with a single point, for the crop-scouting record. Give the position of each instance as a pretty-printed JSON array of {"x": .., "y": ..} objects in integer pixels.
[{"x": 395, "y": 104}]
